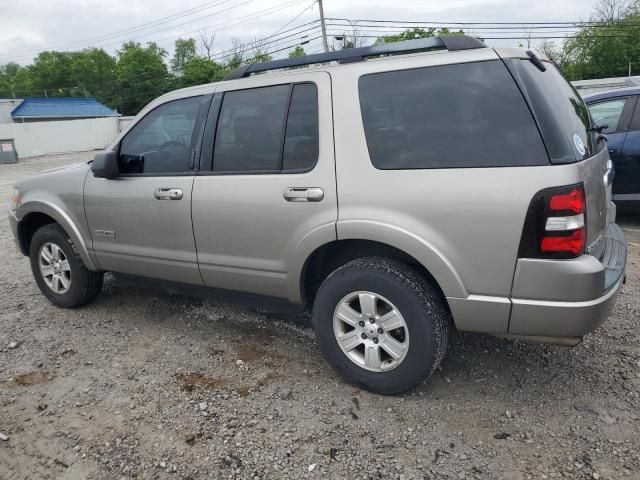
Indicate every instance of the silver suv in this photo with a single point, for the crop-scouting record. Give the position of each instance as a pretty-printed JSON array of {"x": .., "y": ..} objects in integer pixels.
[{"x": 400, "y": 190}]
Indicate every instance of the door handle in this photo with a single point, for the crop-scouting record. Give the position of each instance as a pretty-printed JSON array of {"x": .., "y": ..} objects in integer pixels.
[
  {"x": 303, "y": 194},
  {"x": 167, "y": 193}
]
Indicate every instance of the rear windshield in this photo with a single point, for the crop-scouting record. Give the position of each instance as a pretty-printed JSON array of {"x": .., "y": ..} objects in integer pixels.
[
  {"x": 561, "y": 113},
  {"x": 451, "y": 116}
]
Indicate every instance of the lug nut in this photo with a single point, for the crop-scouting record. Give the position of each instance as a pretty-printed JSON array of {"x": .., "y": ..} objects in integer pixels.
[
  {"x": 375, "y": 340},
  {"x": 380, "y": 330},
  {"x": 361, "y": 323},
  {"x": 372, "y": 320},
  {"x": 364, "y": 336}
]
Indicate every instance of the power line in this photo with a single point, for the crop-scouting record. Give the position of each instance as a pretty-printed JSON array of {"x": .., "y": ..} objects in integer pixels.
[
  {"x": 510, "y": 27},
  {"x": 225, "y": 25},
  {"x": 126, "y": 31},
  {"x": 294, "y": 19},
  {"x": 579, "y": 22}
]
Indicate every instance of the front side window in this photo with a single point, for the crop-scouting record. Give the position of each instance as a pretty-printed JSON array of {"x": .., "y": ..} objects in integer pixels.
[
  {"x": 608, "y": 113},
  {"x": 268, "y": 130},
  {"x": 452, "y": 116},
  {"x": 162, "y": 141}
]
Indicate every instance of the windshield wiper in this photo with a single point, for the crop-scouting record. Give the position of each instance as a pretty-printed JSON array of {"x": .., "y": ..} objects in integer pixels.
[{"x": 598, "y": 128}]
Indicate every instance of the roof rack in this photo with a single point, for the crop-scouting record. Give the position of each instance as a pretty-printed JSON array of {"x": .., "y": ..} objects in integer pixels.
[{"x": 349, "y": 55}]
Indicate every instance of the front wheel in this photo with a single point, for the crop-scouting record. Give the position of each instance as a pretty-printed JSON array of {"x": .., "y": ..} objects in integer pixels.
[
  {"x": 381, "y": 325},
  {"x": 59, "y": 270}
]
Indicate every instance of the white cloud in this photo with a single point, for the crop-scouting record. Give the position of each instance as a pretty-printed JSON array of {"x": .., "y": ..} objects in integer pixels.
[{"x": 30, "y": 26}]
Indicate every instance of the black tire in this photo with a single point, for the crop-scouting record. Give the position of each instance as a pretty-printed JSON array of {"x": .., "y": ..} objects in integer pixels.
[
  {"x": 422, "y": 306},
  {"x": 85, "y": 285}
]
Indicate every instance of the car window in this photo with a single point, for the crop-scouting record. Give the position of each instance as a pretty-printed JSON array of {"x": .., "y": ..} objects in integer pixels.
[
  {"x": 250, "y": 130},
  {"x": 162, "y": 141},
  {"x": 301, "y": 138},
  {"x": 562, "y": 115},
  {"x": 464, "y": 115},
  {"x": 608, "y": 113}
]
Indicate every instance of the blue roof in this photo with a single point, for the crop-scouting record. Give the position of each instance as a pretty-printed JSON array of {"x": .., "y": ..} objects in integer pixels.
[
  {"x": 62, "y": 107},
  {"x": 615, "y": 93}
]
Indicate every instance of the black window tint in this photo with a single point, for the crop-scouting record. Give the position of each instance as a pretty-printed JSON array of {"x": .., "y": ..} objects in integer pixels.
[
  {"x": 465, "y": 115},
  {"x": 162, "y": 141},
  {"x": 250, "y": 130},
  {"x": 301, "y": 139},
  {"x": 608, "y": 113},
  {"x": 562, "y": 114}
]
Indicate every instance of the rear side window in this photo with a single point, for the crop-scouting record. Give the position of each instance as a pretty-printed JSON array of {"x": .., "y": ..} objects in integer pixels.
[
  {"x": 268, "y": 130},
  {"x": 561, "y": 113},
  {"x": 452, "y": 116},
  {"x": 301, "y": 139},
  {"x": 250, "y": 129},
  {"x": 608, "y": 113}
]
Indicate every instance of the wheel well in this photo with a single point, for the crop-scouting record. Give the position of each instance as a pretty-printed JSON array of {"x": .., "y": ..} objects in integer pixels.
[
  {"x": 28, "y": 226},
  {"x": 333, "y": 255}
]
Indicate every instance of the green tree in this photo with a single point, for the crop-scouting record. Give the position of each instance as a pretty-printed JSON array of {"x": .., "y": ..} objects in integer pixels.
[
  {"x": 141, "y": 76},
  {"x": 93, "y": 71},
  {"x": 297, "y": 52},
  {"x": 199, "y": 70},
  {"x": 15, "y": 81},
  {"x": 415, "y": 33},
  {"x": 51, "y": 74},
  {"x": 185, "y": 50},
  {"x": 609, "y": 49}
]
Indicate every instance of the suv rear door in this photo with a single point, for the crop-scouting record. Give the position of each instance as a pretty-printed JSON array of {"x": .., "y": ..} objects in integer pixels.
[{"x": 266, "y": 190}]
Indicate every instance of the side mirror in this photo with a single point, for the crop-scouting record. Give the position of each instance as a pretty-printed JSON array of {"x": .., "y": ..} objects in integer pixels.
[{"x": 105, "y": 165}]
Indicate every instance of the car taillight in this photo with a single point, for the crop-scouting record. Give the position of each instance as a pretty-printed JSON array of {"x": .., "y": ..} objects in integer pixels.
[{"x": 555, "y": 226}]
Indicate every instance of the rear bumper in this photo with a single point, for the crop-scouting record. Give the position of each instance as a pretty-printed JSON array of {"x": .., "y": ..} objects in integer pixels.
[{"x": 542, "y": 288}]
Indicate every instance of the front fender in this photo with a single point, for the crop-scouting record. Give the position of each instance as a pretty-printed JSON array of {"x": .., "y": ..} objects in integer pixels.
[{"x": 63, "y": 219}]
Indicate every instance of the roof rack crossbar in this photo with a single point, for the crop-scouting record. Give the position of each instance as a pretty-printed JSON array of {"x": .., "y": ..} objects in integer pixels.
[{"x": 451, "y": 43}]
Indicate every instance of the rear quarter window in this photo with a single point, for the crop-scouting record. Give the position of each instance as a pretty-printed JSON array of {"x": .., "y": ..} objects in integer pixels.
[
  {"x": 452, "y": 116},
  {"x": 561, "y": 113}
]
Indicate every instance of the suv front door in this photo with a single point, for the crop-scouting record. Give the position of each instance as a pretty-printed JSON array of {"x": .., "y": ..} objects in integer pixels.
[
  {"x": 140, "y": 222},
  {"x": 265, "y": 196}
]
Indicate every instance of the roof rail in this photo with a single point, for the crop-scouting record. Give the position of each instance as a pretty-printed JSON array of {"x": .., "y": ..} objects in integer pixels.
[{"x": 349, "y": 55}]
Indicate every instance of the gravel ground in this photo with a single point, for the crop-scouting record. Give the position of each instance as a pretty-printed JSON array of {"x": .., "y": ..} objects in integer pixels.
[{"x": 141, "y": 384}]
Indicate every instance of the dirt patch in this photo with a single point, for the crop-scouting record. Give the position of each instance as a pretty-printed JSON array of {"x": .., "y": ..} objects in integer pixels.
[
  {"x": 252, "y": 353},
  {"x": 214, "y": 352},
  {"x": 32, "y": 378},
  {"x": 269, "y": 378},
  {"x": 190, "y": 381}
]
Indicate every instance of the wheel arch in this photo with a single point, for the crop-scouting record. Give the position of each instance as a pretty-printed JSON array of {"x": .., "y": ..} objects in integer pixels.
[
  {"x": 35, "y": 214},
  {"x": 330, "y": 256}
]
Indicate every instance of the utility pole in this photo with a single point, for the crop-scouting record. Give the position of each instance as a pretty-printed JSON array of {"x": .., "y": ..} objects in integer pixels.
[{"x": 323, "y": 27}]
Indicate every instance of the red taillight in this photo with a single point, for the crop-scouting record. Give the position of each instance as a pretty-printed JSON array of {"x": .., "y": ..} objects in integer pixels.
[
  {"x": 573, "y": 201},
  {"x": 574, "y": 243},
  {"x": 555, "y": 226}
]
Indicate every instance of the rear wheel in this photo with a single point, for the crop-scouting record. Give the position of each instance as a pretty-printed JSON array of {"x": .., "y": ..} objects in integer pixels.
[
  {"x": 381, "y": 324},
  {"x": 59, "y": 271}
]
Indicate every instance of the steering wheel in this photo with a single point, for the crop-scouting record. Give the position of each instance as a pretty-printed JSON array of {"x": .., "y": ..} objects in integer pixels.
[{"x": 172, "y": 143}]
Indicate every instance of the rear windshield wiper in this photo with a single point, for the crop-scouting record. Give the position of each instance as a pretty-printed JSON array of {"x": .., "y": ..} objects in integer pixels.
[
  {"x": 598, "y": 128},
  {"x": 536, "y": 61}
]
